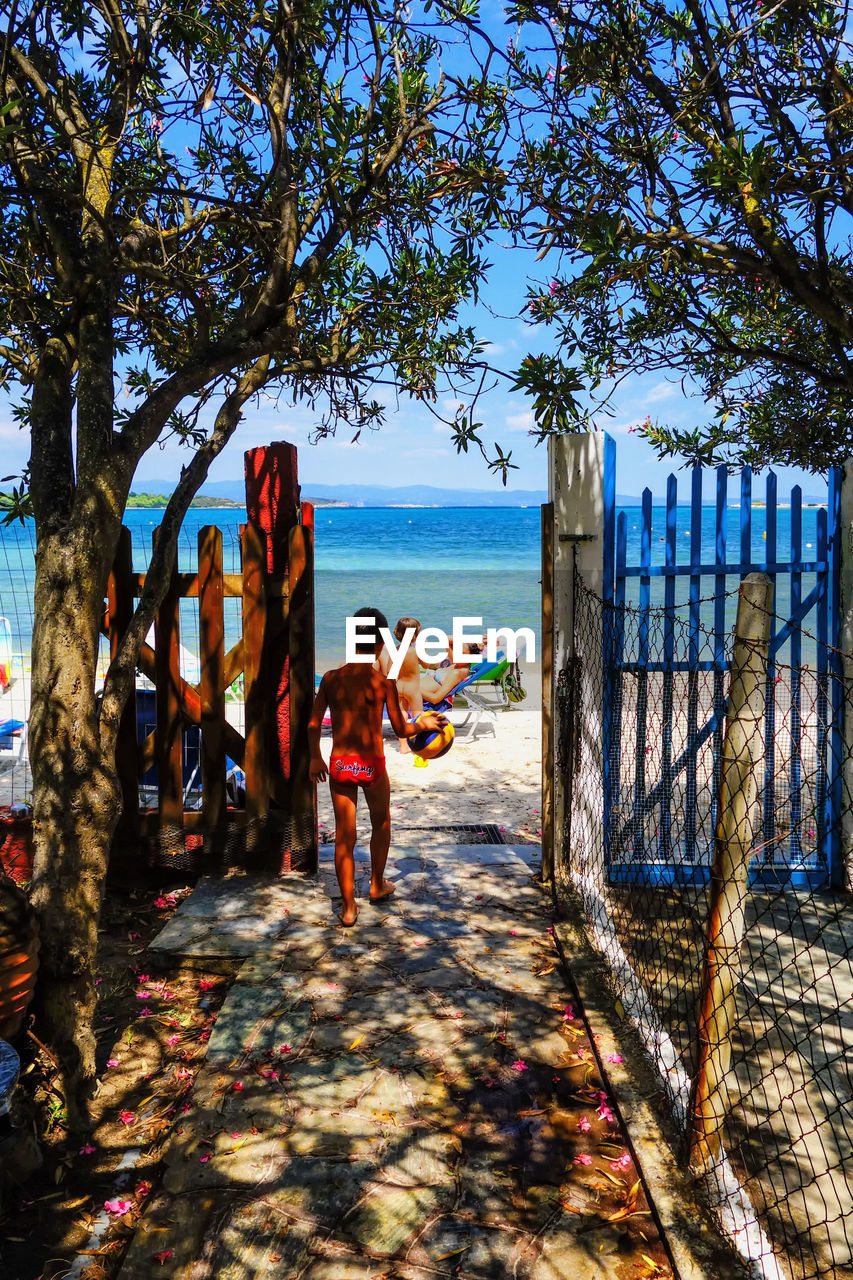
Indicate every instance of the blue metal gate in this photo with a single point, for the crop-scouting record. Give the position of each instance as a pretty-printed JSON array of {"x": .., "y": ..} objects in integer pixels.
[{"x": 672, "y": 572}]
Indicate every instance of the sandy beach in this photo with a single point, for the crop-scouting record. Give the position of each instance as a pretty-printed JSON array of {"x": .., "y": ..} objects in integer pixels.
[{"x": 492, "y": 777}]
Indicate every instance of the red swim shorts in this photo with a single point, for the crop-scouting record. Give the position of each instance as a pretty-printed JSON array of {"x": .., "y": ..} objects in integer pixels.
[{"x": 359, "y": 771}]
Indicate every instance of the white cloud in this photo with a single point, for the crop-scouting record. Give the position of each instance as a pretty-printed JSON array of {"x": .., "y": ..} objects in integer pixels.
[
  {"x": 662, "y": 391},
  {"x": 520, "y": 421}
]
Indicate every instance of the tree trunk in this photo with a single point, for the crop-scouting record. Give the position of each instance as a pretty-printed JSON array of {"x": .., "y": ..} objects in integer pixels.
[{"x": 76, "y": 797}]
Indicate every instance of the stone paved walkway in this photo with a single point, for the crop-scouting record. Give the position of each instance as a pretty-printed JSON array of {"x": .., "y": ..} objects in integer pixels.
[{"x": 413, "y": 1097}]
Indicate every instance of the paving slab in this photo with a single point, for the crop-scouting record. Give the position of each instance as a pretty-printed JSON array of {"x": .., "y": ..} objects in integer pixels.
[{"x": 396, "y": 1100}]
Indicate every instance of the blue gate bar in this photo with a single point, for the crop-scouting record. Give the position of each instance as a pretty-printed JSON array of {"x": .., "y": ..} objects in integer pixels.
[
  {"x": 665, "y": 824},
  {"x": 618, "y": 683},
  {"x": 818, "y": 821},
  {"x": 835, "y": 796},
  {"x": 770, "y": 554},
  {"x": 746, "y": 515},
  {"x": 612, "y": 674},
  {"x": 642, "y": 678},
  {"x": 691, "y": 790},
  {"x": 720, "y": 657},
  {"x": 795, "y": 853}
]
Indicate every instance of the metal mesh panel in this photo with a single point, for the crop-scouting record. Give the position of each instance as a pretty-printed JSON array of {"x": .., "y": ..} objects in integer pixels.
[{"x": 642, "y": 715}]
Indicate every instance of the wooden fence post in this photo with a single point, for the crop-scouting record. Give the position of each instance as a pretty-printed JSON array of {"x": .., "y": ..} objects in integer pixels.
[
  {"x": 272, "y": 507},
  {"x": 304, "y": 851},
  {"x": 211, "y": 629},
  {"x": 739, "y": 816},
  {"x": 169, "y": 738},
  {"x": 256, "y": 756}
]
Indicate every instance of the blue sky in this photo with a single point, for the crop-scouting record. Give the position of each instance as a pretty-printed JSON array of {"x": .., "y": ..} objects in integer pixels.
[{"x": 412, "y": 448}]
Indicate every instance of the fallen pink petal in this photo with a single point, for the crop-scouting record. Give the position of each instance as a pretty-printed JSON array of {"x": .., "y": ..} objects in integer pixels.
[{"x": 117, "y": 1206}]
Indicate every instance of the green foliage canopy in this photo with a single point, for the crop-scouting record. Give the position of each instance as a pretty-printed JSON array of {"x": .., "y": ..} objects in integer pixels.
[
  {"x": 209, "y": 199},
  {"x": 686, "y": 168}
]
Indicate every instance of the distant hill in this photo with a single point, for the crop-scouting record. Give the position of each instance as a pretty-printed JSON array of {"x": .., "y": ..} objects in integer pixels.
[
  {"x": 370, "y": 495},
  {"x": 232, "y": 492},
  {"x": 158, "y": 500}
]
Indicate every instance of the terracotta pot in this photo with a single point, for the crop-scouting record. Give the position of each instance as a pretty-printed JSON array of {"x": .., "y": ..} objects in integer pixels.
[
  {"x": 19, "y": 948},
  {"x": 16, "y": 845}
]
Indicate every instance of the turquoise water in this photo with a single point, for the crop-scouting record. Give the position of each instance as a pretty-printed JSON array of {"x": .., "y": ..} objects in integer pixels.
[{"x": 430, "y": 563}]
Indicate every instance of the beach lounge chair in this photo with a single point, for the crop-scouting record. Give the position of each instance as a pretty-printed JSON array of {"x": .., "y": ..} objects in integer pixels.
[
  {"x": 13, "y": 742},
  {"x": 479, "y": 706}
]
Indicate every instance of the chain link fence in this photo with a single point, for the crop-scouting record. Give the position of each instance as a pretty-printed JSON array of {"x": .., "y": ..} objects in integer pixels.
[{"x": 695, "y": 829}]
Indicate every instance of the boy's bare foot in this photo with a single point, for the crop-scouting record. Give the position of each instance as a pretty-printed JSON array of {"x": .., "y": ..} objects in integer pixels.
[
  {"x": 348, "y": 918},
  {"x": 385, "y": 892}
]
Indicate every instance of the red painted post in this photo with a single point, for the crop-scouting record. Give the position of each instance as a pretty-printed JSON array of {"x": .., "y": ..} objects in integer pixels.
[{"x": 273, "y": 508}]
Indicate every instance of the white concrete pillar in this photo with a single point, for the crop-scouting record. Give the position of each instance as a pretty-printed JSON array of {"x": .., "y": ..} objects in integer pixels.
[{"x": 576, "y": 482}]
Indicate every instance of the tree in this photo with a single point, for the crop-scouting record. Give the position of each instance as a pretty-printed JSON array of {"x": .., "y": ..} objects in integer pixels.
[
  {"x": 691, "y": 165},
  {"x": 202, "y": 201}
]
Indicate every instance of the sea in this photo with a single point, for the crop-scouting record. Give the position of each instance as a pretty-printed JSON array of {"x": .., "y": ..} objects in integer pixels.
[{"x": 429, "y": 563}]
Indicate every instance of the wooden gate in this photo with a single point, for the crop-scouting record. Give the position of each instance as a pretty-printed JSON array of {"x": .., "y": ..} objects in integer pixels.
[{"x": 272, "y": 825}]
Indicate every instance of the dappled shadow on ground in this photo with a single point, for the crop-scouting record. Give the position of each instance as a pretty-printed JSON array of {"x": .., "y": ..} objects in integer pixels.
[
  {"x": 413, "y": 1097},
  {"x": 152, "y": 1031},
  {"x": 494, "y": 777},
  {"x": 789, "y": 1129}
]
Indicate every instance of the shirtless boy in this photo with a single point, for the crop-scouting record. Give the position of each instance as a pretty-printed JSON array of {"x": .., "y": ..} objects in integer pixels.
[{"x": 356, "y": 694}]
